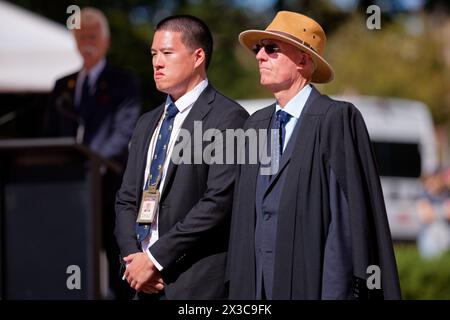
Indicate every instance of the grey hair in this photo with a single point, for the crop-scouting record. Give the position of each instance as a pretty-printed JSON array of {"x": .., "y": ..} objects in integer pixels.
[{"x": 90, "y": 15}]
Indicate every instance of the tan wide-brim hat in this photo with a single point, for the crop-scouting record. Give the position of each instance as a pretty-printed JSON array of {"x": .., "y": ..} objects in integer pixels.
[{"x": 300, "y": 31}]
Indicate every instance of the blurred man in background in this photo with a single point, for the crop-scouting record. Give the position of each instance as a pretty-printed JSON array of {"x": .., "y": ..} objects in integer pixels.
[
  {"x": 433, "y": 207},
  {"x": 99, "y": 105}
]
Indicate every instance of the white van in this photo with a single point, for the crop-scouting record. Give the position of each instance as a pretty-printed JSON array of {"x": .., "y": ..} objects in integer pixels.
[{"x": 404, "y": 142}]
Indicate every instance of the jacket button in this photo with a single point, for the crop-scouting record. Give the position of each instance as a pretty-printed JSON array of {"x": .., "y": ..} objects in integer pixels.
[{"x": 266, "y": 216}]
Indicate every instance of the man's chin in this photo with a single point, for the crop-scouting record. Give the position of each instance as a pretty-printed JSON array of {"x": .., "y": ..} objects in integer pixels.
[
  {"x": 265, "y": 83},
  {"x": 89, "y": 62},
  {"x": 159, "y": 85}
]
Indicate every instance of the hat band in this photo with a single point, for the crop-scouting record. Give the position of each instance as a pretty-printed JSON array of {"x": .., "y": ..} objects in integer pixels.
[{"x": 306, "y": 44}]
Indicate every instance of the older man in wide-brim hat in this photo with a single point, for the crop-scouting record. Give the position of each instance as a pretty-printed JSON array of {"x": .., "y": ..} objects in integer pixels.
[
  {"x": 316, "y": 227},
  {"x": 294, "y": 30}
]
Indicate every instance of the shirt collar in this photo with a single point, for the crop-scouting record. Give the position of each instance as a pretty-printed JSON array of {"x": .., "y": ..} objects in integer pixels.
[
  {"x": 188, "y": 99},
  {"x": 295, "y": 106}
]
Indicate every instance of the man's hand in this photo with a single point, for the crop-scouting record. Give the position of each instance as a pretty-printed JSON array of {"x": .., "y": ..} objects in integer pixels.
[
  {"x": 142, "y": 274},
  {"x": 153, "y": 287}
]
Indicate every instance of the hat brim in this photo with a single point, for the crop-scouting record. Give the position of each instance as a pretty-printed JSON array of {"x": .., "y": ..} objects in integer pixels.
[{"x": 322, "y": 74}]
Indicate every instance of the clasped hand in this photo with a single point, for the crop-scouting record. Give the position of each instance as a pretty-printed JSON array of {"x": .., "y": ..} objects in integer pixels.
[{"x": 141, "y": 274}]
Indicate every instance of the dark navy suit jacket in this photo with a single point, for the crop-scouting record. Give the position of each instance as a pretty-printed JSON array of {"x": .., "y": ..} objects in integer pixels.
[
  {"x": 112, "y": 114},
  {"x": 195, "y": 203}
]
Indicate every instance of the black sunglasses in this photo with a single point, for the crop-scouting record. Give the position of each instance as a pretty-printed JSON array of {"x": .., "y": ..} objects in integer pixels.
[{"x": 268, "y": 48}]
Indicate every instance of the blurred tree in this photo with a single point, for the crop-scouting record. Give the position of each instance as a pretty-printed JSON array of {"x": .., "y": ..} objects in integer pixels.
[
  {"x": 438, "y": 5},
  {"x": 403, "y": 59},
  {"x": 325, "y": 12},
  {"x": 132, "y": 21},
  {"x": 395, "y": 60},
  {"x": 232, "y": 70}
]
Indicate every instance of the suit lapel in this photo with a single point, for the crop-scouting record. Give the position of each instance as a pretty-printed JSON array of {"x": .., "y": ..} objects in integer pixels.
[
  {"x": 101, "y": 85},
  {"x": 69, "y": 92},
  {"x": 265, "y": 146},
  {"x": 265, "y": 123},
  {"x": 250, "y": 172},
  {"x": 198, "y": 112},
  {"x": 285, "y": 159}
]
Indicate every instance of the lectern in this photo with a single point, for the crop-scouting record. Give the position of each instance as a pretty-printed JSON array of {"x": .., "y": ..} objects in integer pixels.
[{"x": 50, "y": 202}]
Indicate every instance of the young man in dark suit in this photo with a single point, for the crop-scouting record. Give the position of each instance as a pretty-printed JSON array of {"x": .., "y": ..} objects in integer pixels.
[
  {"x": 316, "y": 227},
  {"x": 178, "y": 251}
]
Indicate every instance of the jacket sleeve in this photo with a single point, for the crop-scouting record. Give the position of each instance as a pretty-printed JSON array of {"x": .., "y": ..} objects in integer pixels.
[
  {"x": 351, "y": 157},
  {"x": 337, "y": 265}
]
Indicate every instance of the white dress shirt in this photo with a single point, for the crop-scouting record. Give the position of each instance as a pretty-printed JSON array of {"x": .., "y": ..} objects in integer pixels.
[{"x": 184, "y": 105}]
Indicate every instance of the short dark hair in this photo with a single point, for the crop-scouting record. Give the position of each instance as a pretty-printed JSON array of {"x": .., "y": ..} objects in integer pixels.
[{"x": 194, "y": 33}]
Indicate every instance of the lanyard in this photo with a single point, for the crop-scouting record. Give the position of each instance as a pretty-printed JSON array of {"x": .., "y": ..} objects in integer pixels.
[{"x": 153, "y": 187}]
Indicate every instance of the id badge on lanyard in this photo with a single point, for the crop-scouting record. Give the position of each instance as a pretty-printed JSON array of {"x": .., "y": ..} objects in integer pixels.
[
  {"x": 149, "y": 205},
  {"x": 150, "y": 200}
]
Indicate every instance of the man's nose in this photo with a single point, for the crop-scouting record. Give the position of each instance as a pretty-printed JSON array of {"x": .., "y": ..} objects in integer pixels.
[
  {"x": 157, "y": 60},
  {"x": 261, "y": 55}
]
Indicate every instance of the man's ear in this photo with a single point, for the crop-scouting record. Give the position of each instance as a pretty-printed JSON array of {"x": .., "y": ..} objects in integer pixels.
[
  {"x": 200, "y": 56},
  {"x": 303, "y": 60}
]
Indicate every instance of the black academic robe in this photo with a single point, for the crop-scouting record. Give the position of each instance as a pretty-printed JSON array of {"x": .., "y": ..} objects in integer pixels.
[{"x": 332, "y": 146}]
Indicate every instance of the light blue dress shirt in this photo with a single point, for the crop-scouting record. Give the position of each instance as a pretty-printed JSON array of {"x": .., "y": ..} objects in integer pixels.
[{"x": 294, "y": 107}]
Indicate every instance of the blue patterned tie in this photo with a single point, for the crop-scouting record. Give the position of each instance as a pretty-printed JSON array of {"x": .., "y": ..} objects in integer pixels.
[
  {"x": 162, "y": 142},
  {"x": 282, "y": 118},
  {"x": 159, "y": 155}
]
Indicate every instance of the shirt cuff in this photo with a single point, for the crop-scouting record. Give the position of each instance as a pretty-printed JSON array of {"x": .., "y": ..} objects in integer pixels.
[{"x": 155, "y": 262}]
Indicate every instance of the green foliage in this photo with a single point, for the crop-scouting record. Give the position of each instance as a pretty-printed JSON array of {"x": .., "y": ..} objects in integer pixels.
[
  {"x": 402, "y": 59},
  {"x": 130, "y": 49},
  {"x": 393, "y": 61},
  {"x": 422, "y": 279},
  {"x": 233, "y": 70}
]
